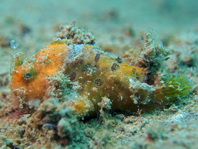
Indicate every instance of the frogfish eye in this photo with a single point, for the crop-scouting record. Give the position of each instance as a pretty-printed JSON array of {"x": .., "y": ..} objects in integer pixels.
[{"x": 27, "y": 75}]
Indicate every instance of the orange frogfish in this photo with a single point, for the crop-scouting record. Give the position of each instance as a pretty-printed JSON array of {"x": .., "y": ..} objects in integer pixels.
[{"x": 75, "y": 70}]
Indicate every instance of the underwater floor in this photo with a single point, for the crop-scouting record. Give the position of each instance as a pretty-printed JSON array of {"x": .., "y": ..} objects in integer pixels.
[{"x": 99, "y": 74}]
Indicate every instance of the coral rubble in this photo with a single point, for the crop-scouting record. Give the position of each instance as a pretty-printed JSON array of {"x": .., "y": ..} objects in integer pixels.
[{"x": 72, "y": 78}]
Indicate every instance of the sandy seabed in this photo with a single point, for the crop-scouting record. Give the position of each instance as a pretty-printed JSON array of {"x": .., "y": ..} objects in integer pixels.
[{"x": 28, "y": 26}]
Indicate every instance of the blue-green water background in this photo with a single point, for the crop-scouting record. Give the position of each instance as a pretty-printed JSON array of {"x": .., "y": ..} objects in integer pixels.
[{"x": 162, "y": 15}]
